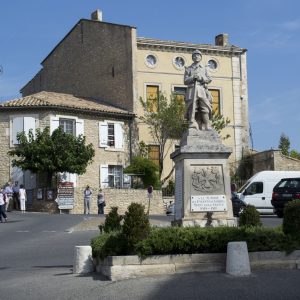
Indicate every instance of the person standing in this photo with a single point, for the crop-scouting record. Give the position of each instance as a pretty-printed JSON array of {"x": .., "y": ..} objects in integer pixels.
[
  {"x": 87, "y": 194},
  {"x": 101, "y": 202},
  {"x": 22, "y": 197},
  {"x": 2, "y": 206},
  {"x": 16, "y": 200},
  {"x": 198, "y": 98},
  {"x": 8, "y": 193}
]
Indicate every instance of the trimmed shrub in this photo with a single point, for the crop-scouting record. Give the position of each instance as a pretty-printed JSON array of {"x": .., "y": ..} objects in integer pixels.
[
  {"x": 112, "y": 221},
  {"x": 291, "y": 219},
  {"x": 136, "y": 226},
  {"x": 249, "y": 217},
  {"x": 108, "y": 244},
  {"x": 187, "y": 240}
]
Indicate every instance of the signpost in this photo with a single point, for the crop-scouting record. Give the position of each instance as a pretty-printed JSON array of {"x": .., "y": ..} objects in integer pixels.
[
  {"x": 65, "y": 196},
  {"x": 150, "y": 195}
]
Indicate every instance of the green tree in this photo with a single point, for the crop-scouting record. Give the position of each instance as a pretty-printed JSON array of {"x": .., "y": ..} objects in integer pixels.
[
  {"x": 167, "y": 123},
  {"x": 146, "y": 169},
  {"x": 295, "y": 154},
  {"x": 284, "y": 144},
  {"x": 59, "y": 152}
]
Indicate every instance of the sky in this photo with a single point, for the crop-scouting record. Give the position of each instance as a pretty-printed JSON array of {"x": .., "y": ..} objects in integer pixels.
[{"x": 268, "y": 29}]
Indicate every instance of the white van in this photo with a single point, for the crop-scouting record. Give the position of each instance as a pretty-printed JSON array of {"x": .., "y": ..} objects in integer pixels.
[{"x": 257, "y": 191}]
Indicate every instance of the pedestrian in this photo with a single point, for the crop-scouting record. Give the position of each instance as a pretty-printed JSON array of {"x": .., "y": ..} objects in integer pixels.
[
  {"x": 22, "y": 197},
  {"x": 8, "y": 191},
  {"x": 16, "y": 200},
  {"x": 87, "y": 199},
  {"x": 101, "y": 202},
  {"x": 2, "y": 206}
]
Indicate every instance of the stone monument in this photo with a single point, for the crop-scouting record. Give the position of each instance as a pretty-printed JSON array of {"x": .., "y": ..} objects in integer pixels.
[{"x": 202, "y": 182}]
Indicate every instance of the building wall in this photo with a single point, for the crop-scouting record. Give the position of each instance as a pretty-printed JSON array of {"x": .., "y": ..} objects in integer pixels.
[
  {"x": 93, "y": 60},
  {"x": 274, "y": 160},
  {"x": 91, "y": 131},
  {"x": 230, "y": 78}
]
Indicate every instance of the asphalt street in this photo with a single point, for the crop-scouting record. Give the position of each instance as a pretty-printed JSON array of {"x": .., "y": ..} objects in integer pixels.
[{"x": 36, "y": 259}]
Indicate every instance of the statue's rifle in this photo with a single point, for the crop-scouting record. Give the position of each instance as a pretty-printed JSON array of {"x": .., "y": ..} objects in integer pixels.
[{"x": 193, "y": 120}]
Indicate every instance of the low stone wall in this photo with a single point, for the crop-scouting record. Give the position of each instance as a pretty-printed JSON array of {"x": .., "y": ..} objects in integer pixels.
[
  {"x": 124, "y": 267},
  {"x": 113, "y": 197}
]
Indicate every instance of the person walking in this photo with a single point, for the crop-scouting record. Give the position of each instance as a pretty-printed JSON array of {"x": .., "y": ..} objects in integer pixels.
[
  {"x": 101, "y": 202},
  {"x": 87, "y": 195},
  {"x": 22, "y": 197},
  {"x": 2, "y": 206}
]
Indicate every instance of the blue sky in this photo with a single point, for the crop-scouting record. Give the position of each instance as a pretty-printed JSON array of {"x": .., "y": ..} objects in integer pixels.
[{"x": 269, "y": 29}]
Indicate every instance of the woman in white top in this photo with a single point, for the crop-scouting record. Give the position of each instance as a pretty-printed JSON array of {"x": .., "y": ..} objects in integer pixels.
[{"x": 22, "y": 197}]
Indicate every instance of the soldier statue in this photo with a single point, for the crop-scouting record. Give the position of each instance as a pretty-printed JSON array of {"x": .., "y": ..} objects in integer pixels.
[{"x": 198, "y": 99}]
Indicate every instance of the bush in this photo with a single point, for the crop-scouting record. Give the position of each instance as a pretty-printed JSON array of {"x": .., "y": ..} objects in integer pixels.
[
  {"x": 108, "y": 244},
  {"x": 249, "y": 217},
  {"x": 136, "y": 225},
  {"x": 187, "y": 240},
  {"x": 291, "y": 219},
  {"x": 112, "y": 221}
]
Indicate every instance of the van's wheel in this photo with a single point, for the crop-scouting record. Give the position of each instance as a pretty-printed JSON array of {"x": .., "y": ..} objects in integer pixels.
[{"x": 279, "y": 214}]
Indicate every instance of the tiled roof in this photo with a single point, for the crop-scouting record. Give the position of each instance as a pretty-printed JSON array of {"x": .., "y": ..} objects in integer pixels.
[{"x": 60, "y": 100}]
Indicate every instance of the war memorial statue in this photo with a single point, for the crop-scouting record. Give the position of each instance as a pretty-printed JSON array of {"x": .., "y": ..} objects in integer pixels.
[
  {"x": 202, "y": 183},
  {"x": 198, "y": 98}
]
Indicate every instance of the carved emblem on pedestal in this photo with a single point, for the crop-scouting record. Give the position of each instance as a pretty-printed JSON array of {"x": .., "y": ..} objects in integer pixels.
[{"x": 207, "y": 179}]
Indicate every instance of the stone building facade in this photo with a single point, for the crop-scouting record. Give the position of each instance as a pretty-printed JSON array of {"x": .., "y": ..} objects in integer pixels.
[
  {"x": 274, "y": 160},
  {"x": 108, "y": 61}
]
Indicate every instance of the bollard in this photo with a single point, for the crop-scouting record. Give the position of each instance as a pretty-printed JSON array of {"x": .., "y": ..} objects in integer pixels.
[
  {"x": 83, "y": 261},
  {"x": 237, "y": 261}
]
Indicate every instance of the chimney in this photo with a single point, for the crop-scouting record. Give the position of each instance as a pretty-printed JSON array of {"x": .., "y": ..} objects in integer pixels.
[
  {"x": 222, "y": 40},
  {"x": 97, "y": 15}
]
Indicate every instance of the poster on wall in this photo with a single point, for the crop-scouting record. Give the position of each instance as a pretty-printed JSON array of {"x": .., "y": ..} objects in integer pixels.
[
  {"x": 65, "y": 196},
  {"x": 49, "y": 195},
  {"x": 39, "y": 194}
]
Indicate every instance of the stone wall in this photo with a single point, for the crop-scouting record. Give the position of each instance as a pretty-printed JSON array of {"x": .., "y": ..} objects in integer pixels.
[
  {"x": 274, "y": 160},
  {"x": 93, "y": 60},
  {"x": 113, "y": 197}
]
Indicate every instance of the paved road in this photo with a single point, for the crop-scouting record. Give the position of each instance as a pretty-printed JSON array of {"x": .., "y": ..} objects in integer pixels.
[{"x": 36, "y": 258}]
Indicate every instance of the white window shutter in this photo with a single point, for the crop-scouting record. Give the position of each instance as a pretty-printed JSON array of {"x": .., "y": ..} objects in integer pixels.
[
  {"x": 104, "y": 176},
  {"x": 54, "y": 124},
  {"x": 103, "y": 131},
  {"x": 29, "y": 123},
  {"x": 17, "y": 126},
  {"x": 118, "y": 136},
  {"x": 79, "y": 127}
]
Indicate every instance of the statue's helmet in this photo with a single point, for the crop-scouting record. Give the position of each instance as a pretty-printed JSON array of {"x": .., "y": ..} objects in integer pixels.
[{"x": 196, "y": 52}]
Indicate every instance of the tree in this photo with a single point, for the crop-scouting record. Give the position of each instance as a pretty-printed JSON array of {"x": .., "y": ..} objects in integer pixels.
[
  {"x": 284, "y": 144},
  {"x": 168, "y": 124},
  {"x": 146, "y": 169},
  {"x": 295, "y": 154},
  {"x": 59, "y": 152}
]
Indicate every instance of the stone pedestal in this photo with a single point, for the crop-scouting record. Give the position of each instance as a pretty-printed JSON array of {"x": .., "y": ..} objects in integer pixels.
[{"x": 202, "y": 182}]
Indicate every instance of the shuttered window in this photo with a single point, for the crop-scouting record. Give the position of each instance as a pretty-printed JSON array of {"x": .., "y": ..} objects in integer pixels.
[
  {"x": 154, "y": 153},
  {"x": 216, "y": 100},
  {"x": 179, "y": 93},
  {"x": 152, "y": 97},
  {"x": 111, "y": 135},
  {"x": 19, "y": 124}
]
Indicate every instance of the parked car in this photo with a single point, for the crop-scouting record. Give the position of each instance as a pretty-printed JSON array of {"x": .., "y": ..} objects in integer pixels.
[
  {"x": 287, "y": 189},
  {"x": 258, "y": 189},
  {"x": 238, "y": 205}
]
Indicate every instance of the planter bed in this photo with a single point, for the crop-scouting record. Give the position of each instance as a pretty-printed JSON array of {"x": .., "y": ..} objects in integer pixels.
[{"x": 124, "y": 267}]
